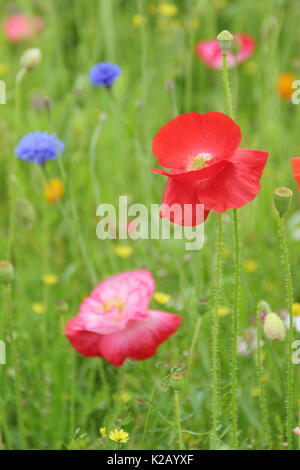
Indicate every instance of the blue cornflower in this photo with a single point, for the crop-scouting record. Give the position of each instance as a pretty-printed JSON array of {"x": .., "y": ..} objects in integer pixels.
[
  {"x": 38, "y": 147},
  {"x": 104, "y": 73}
]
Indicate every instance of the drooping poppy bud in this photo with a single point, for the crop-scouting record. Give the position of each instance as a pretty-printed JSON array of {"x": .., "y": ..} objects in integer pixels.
[
  {"x": 31, "y": 58},
  {"x": 274, "y": 327},
  {"x": 6, "y": 272}
]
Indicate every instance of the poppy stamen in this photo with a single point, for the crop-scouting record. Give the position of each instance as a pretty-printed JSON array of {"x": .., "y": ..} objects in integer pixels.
[{"x": 199, "y": 161}]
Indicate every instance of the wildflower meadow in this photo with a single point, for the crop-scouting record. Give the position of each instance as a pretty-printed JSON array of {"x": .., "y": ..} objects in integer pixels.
[{"x": 150, "y": 225}]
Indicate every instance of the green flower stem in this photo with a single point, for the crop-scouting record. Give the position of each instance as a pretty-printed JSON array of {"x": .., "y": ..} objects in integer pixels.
[
  {"x": 299, "y": 425},
  {"x": 74, "y": 212},
  {"x": 215, "y": 338},
  {"x": 226, "y": 82},
  {"x": 235, "y": 318},
  {"x": 262, "y": 306},
  {"x": 12, "y": 166},
  {"x": 149, "y": 409},
  {"x": 289, "y": 301},
  {"x": 178, "y": 419},
  {"x": 236, "y": 293},
  {"x": 193, "y": 343},
  {"x": 7, "y": 294}
]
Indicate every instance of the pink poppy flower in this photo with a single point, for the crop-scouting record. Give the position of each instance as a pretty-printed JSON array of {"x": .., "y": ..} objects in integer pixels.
[
  {"x": 114, "y": 322},
  {"x": 19, "y": 27},
  {"x": 210, "y": 52},
  {"x": 296, "y": 431}
]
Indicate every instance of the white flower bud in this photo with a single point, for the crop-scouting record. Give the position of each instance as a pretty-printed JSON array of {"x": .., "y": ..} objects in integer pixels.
[
  {"x": 31, "y": 58},
  {"x": 274, "y": 327}
]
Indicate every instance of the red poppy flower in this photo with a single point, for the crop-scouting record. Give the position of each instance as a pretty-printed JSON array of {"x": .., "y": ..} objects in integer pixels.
[
  {"x": 296, "y": 170},
  {"x": 210, "y": 52},
  {"x": 19, "y": 27},
  {"x": 207, "y": 167}
]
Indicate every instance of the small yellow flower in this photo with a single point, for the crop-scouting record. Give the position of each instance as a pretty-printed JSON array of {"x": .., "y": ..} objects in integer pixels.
[
  {"x": 162, "y": 24},
  {"x": 167, "y": 9},
  {"x": 223, "y": 311},
  {"x": 284, "y": 85},
  {"x": 50, "y": 279},
  {"x": 255, "y": 392},
  {"x": 102, "y": 432},
  {"x": 38, "y": 307},
  {"x": 250, "y": 266},
  {"x": 250, "y": 68},
  {"x": 152, "y": 9},
  {"x": 161, "y": 298},
  {"x": 4, "y": 69},
  {"x": 54, "y": 190},
  {"x": 264, "y": 379},
  {"x": 119, "y": 435},
  {"x": 269, "y": 286},
  {"x": 194, "y": 23},
  {"x": 296, "y": 309},
  {"x": 125, "y": 397},
  {"x": 225, "y": 252},
  {"x": 175, "y": 25},
  {"x": 138, "y": 20},
  {"x": 123, "y": 251},
  {"x": 220, "y": 4}
]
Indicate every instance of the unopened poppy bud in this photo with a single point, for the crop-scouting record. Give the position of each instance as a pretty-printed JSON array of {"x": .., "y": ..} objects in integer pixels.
[
  {"x": 62, "y": 306},
  {"x": 176, "y": 380},
  {"x": 25, "y": 213},
  {"x": 274, "y": 327},
  {"x": 47, "y": 102},
  {"x": 6, "y": 272},
  {"x": 31, "y": 58},
  {"x": 225, "y": 39},
  {"x": 282, "y": 200}
]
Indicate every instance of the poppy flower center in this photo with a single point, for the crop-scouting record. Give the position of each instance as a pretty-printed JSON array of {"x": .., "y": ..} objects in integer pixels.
[
  {"x": 199, "y": 161},
  {"x": 114, "y": 303}
]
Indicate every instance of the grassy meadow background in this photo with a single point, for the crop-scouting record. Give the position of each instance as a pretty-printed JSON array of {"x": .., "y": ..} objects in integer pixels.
[{"x": 48, "y": 391}]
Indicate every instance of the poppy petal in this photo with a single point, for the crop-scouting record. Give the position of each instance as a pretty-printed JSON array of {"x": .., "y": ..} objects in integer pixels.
[
  {"x": 177, "y": 196},
  {"x": 85, "y": 342},
  {"x": 296, "y": 170},
  {"x": 135, "y": 288},
  {"x": 237, "y": 184},
  {"x": 191, "y": 134},
  {"x": 247, "y": 46},
  {"x": 195, "y": 175},
  {"x": 140, "y": 340}
]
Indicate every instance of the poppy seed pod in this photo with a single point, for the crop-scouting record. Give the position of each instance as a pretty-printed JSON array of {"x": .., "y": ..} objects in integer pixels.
[
  {"x": 31, "y": 58},
  {"x": 282, "y": 200},
  {"x": 274, "y": 327},
  {"x": 176, "y": 380},
  {"x": 6, "y": 272},
  {"x": 225, "y": 39}
]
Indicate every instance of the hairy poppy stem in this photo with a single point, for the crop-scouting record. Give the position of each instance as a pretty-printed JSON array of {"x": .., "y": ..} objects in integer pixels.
[
  {"x": 262, "y": 307},
  {"x": 12, "y": 167},
  {"x": 236, "y": 293},
  {"x": 226, "y": 81},
  {"x": 289, "y": 301},
  {"x": 178, "y": 419},
  {"x": 7, "y": 294},
  {"x": 235, "y": 318},
  {"x": 215, "y": 338}
]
